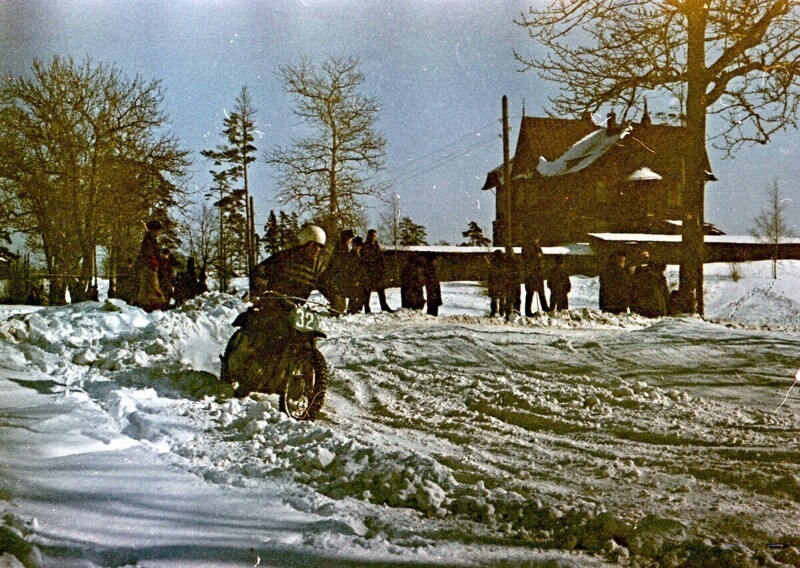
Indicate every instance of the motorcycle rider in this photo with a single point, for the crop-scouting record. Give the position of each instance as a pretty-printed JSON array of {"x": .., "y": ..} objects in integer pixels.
[
  {"x": 277, "y": 284},
  {"x": 291, "y": 272}
]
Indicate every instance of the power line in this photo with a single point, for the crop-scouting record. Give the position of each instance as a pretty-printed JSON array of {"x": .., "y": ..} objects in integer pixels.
[
  {"x": 423, "y": 167},
  {"x": 428, "y": 168},
  {"x": 414, "y": 161}
]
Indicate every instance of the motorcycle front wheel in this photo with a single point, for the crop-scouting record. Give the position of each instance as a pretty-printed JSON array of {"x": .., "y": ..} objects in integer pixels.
[{"x": 303, "y": 390}]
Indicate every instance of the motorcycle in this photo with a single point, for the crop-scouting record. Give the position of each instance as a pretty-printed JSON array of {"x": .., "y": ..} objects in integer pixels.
[{"x": 293, "y": 367}]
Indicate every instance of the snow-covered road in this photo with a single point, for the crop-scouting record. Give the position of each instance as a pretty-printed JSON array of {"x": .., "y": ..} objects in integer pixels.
[{"x": 459, "y": 440}]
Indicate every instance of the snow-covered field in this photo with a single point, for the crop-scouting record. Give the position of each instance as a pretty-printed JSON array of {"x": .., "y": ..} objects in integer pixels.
[{"x": 578, "y": 439}]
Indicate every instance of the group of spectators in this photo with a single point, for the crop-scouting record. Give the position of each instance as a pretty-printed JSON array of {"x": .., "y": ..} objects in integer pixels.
[
  {"x": 506, "y": 273},
  {"x": 355, "y": 270},
  {"x": 153, "y": 281},
  {"x": 642, "y": 289}
]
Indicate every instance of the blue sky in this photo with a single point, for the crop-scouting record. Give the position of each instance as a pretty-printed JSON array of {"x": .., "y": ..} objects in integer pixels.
[{"x": 438, "y": 68}]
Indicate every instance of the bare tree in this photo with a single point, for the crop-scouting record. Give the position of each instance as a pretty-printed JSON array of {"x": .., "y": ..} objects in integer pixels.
[
  {"x": 200, "y": 230},
  {"x": 771, "y": 225},
  {"x": 390, "y": 222},
  {"x": 85, "y": 159},
  {"x": 736, "y": 59},
  {"x": 329, "y": 171}
]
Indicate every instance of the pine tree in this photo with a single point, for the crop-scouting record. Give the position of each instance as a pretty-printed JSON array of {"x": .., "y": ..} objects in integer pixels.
[
  {"x": 288, "y": 227},
  {"x": 412, "y": 234},
  {"x": 235, "y": 156},
  {"x": 474, "y": 236},
  {"x": 272, "y": 242}
]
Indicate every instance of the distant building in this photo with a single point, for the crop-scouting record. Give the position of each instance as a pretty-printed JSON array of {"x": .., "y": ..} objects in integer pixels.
[{"x": 572, "y": 177}]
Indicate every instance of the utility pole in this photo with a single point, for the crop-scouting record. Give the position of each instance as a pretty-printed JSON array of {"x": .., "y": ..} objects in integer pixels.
[{"x": 506, "y": 176}]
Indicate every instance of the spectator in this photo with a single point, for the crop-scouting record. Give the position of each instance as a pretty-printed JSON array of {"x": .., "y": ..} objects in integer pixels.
[
  {"x": 127, "y": 282},
  {"x": 93, "y": 293},
  {"x": 34, "y": 297},
  {"x": 412, "y": 281},
  {"x": 372, "y": 257},
  {"x": 615, "y": 295},
  {"x": 495, "y": 284},
  {"x": 358, "y": 292},
  {"x": 650, "y": 293},
  {"x": 202, "y": 283},
  {"x": 149, "y": 296},
  {"x": 559, "y": 285},
  {"x": 336, "y": 275},
  {"x": 433, "y": 288},
  {"x": 533, "y": 275},
  {"x": 186, "y": 283}
]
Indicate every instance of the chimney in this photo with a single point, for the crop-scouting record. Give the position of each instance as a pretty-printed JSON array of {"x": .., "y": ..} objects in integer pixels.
[{"x": 611, "y": 123}]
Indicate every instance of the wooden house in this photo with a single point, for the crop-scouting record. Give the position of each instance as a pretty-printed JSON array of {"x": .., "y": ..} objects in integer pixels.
[{"x": 572, "y": 177}]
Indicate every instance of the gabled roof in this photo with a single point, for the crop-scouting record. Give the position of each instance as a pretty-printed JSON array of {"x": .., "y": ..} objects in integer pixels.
[{"x": 553, "y": 141}]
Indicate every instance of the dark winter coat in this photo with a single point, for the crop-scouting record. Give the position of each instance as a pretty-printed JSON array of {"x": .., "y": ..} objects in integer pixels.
[
  {"x": 290, "y": 273},
  {"x": 533, "y": 277},
  {"x": 412, "y": 284},
  {"x": 615, "y": 294},
  {"x": 433, "y": 288},
  {"x": 166, "y": 265},
  {"x": 186, "y": 284},
  {"x": 559, "y": 284},
  {"x": 357, "y": 287},
  {"x": 532, "y": 271},
  {"x": 337, "y": 272},
  {"x": 495, "y": 279},
  {"x": 649, "y": 291},
  {"x": 372, "y": 260},
  {"x": 149, "y": 295},
  {"x": 511, "y": 278}
]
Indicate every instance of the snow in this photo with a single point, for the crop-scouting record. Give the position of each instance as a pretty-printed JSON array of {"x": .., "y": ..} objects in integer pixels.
[
  {"x": 582, "y": 154},
  {"x": 572, "y": 439},
  {"x": 709, "y": 239},
  {"x": 578, "y": 249},
  {"x": 644, "y": 174}
]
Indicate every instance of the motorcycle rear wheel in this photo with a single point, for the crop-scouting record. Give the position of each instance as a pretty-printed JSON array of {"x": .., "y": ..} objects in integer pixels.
[{"x": 303, "y": 391}]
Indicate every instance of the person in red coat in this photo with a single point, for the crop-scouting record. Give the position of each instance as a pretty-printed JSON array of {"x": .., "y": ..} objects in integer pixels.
[{"x": 150, "y": 297}]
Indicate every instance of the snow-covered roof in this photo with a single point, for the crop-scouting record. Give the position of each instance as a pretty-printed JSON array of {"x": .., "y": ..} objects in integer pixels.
[
  {"x": 710, "y": 239},
  {"x": 582, "y": 154},
  {"x": 576, "y": 249}
]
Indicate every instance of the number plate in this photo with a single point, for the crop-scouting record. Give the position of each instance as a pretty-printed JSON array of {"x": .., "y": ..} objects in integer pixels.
[{"x": 304, "y": 320}]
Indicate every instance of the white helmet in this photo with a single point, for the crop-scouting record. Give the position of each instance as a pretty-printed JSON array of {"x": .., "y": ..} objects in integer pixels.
[{"x": 311, "y": 233}]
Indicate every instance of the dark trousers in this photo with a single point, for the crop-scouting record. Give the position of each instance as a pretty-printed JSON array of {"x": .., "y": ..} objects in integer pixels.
[
  {"x": 559, "y": 302},
  {"x": 495, "y": 306},
  {"x": 538, "y": 289},
  {"x": 381, "y": 298}
]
